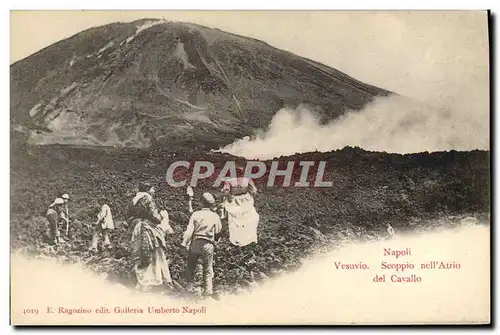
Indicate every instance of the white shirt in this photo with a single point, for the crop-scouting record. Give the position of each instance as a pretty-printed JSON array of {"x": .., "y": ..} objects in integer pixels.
[
  {"x": 105, "y": 218},
  {"x": 202, "y": 224}
]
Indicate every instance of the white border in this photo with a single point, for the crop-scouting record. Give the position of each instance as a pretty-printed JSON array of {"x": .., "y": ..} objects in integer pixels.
[
  {"x": 257, "y": 5},
  {"x": 179, "y": 5}
]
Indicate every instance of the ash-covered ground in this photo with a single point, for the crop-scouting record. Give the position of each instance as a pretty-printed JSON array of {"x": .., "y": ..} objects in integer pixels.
[{"x": 414, "y": 192}]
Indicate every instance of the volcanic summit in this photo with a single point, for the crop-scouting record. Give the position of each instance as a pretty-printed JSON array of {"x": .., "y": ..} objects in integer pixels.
[{"x": 154, "y": 83}]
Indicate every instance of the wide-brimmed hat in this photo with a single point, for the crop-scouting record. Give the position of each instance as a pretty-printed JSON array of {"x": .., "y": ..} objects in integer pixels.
[{"x": 65, "y": 196}]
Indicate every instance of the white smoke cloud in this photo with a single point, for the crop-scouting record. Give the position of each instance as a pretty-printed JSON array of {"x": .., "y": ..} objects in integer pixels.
[
  {"x": 393, "y": 124},
  {"x": 437, "y": 58}
]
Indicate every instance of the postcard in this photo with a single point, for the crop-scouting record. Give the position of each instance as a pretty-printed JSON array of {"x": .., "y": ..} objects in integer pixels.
[{"x": 250, "y": 168}]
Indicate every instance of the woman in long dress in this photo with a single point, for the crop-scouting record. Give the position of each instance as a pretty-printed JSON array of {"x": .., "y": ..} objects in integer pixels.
[
  {"x": 148, "y": 239},
  {"x": 239, "y": 207}
]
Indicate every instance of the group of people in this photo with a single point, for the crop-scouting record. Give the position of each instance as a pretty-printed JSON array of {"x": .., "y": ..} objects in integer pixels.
[
  {"x": 58, "y": 217},
  {"x": 151, "y": 226}
]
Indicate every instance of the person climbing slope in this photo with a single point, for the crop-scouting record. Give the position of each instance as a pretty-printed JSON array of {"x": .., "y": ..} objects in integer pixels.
[
  {"x": 104, "y": 225},
  {"x": 55, "y": 216},
  {"x": 148, "y": 239},
  {"x": 199, "y": 239},
  {"x": 242, "y": 217}
]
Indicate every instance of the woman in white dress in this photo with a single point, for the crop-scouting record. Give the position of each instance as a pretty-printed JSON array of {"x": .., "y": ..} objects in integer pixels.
[{"x": 242, "y": 217}]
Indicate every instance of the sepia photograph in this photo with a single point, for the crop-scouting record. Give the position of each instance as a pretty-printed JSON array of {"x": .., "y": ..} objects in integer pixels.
[{"x": 250, "y": 167}]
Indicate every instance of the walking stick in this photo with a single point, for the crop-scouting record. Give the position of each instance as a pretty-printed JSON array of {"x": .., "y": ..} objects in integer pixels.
[
  {"x": 67, "y": 226},
  {"x": 190, "y": 194}
]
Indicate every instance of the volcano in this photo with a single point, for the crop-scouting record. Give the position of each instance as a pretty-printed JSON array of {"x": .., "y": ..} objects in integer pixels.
[{"x": 152, "y": 83}]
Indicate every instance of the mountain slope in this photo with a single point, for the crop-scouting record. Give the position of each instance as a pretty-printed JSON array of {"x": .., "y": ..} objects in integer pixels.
[{"x": 158, "y": 83}]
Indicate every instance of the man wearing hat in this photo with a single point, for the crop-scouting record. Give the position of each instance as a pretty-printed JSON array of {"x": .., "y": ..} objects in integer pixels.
[
  {"x": 54, "y": 214},
  {"x": 199, "y": 239}
]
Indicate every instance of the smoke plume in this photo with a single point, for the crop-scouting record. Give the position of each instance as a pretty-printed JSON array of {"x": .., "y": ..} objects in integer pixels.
[{"x": 393, "y": 124}]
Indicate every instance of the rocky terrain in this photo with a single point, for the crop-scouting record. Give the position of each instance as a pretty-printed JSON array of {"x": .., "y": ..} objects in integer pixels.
[{"x": 411, "y": 192}]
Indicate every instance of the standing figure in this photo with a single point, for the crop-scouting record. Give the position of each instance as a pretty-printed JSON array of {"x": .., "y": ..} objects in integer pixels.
[
  {"x": 390, "y": 231},
  {"x": 199, "y": 239},
  {"x": 55, "y": 215},
  {"x": 104, "y": 225},
  {"x": 242, "y": 217},
  {"x": 148, "y": 239}
]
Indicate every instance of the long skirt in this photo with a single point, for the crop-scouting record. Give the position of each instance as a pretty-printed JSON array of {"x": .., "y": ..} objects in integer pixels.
[
  {"x": 152, "y": 266},
  {"x": 156, "y": 273},
  {"x": 242, "y": 219}
]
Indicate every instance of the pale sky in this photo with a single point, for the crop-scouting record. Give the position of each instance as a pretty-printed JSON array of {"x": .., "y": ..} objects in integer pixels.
[{"x": 427, "y": 55}]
